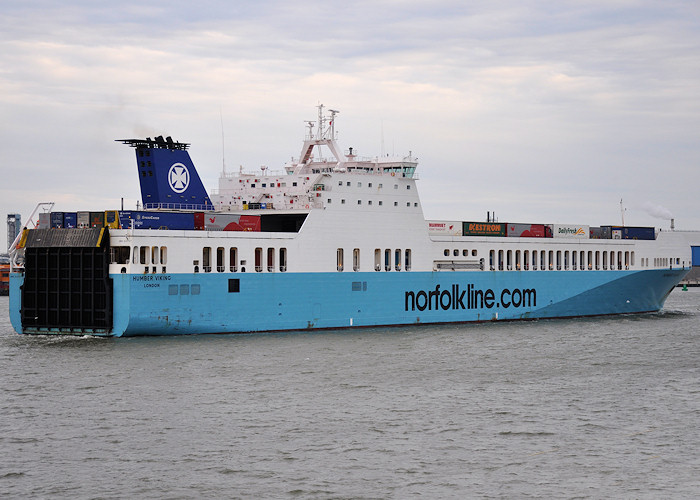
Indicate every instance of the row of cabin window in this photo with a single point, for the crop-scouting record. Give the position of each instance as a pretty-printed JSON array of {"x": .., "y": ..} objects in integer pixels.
[
  {"x": 272, "y": 257},
  {"x": 400, "y": 258},
  {"x": 369, "y": 184},
  {"x": 369, "y": 202},
  {"x": 551, "y": 260},
  {"x": 139, "y": 255},
  {"x": 455, "y": 252}
]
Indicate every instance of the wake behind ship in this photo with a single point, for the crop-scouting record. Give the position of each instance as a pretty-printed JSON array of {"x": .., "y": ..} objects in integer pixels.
[{"x": 334, "y": 240}]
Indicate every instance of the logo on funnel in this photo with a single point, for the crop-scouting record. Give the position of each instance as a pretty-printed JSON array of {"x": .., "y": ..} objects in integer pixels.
[{"x": 178, "y": 178}]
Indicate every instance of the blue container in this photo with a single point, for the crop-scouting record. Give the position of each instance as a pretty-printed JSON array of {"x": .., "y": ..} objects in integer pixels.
[
  {"x": 56, "y": 219},
  {"x": 70, "y": 219},
  {"x": 156, "y": 220}
]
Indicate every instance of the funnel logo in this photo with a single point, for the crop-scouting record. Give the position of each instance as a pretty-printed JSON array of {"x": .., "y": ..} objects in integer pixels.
[{"x": 178, "y": 178}]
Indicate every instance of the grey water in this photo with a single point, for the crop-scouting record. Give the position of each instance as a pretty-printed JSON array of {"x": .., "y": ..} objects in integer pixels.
[{"x": 584, "y": 408}]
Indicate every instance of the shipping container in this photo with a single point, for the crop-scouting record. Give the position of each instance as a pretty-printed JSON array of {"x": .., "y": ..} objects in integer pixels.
[
  {"x": 97, "y": 219},
  {"x": 156, "y": 220},
  {"x": 231, "y": 222},
  {"x": 447, "y": 228},
  {"x": 633, "y": 232},
  {"x": 601, "y": 233},
  {"x": 44, "y": 220},
  {"x": 56, "y": 219},
  {"x": 83, "y": 219},
  {"x": 528, "y": 230},
  {"x": 570, "y": 231},
  {"x": 483, "y": 229},
  {"x": 70, "y": 219}
]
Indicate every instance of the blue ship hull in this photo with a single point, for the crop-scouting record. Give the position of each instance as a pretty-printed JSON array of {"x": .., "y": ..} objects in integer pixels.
[{"x": 172, "y": 304}]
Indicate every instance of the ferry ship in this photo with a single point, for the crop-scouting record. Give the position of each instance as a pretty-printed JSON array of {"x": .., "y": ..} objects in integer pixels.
[{"x": 334, "y": 240}]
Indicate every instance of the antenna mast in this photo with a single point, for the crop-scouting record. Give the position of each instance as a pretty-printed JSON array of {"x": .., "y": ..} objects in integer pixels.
[{"x": 223, "y": 149}]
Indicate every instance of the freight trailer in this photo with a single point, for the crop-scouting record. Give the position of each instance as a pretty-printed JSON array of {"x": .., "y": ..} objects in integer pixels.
[
  {"x": 528, "y": 230},
  {"x": 56, "y": 220},
  {"x": 601, "y": 233},
  {"x": 156, "y": 220},
  {"x": 231, "y": 222},
  {"x": 70, "y": 219},
  {"x": 483, "y": 229},
  {"x": 83, "y": 219},
  {"x": 444, "y": 228},
  {"x": 570, "y": 231},
  {"x": 632, "y": 233}
]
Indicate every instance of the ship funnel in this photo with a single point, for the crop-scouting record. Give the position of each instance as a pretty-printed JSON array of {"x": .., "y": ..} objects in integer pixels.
[{"x": 167, "y": 175}]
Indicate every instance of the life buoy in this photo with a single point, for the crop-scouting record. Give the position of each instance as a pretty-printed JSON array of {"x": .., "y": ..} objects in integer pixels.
[
  {"x": 307, "y": 206},
  {"x": 393, "y": 174}
]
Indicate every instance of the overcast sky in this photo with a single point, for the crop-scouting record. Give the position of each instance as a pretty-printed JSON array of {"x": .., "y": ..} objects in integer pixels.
[{"x": 542, "y": 111}]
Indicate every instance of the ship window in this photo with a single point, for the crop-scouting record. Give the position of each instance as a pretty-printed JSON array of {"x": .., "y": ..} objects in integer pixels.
[
  {"x": 369, "y": 184},
  {"x": 397, "y": 259},
  {"x": 369, "y": 202},
  {"x": 163, "y": 255},
  {"x": 340, "y": 259},
  {"x": 359, "y": 184},
  {"x": 605, "y": 260},
  {"x": 184, "y": 289},
  {"x": 120, "y": 255},
  {"x": 329, "y": 200},
  {"x": 143, "y": 255},
  {"x": 154, "y": 255},
  {"x": 283, "y": 259},
  {"x": 381, "y": 203},
  {"x": 387, "y": 260},
  {"x": 455, "y": 252},
  {"x": 396, "y": 186},
  {"x": 465, "y": 253},
  {"x": 356, "y": 259},
  {"x": 446, "y": 252},
  {"x": 342, "y": 202},
  {"x": 206, "y": 259},
  {"x": 377, "y": 259},
  {"x": 294, "y": 184},
  {"x": 408, "y": 186},
  {"x": 234, "y": 285},
  {"x": 566, "y": 260},
  {"x": 348, "y": 184},
  {"x": 233, "y": 259},
  {"x": 407, "y": 259},
  {"x": 500, "y": 260},
  {"x": 558, "y": 260},
  {"x": 509, "y": 260},
  {"x": 359, "y": 202},
  {"x": 492, "y": 258},
  {"x": 534, "y": 260},
  {"x": 526, "y": 259},
  {"x": 340, "y": 183},
  {"x": 551, "y": 260},
  {"x": 195, "y": 289},
  {"x": 396, "y": 203},
  {"x": 381, "y": 185},
  {"x": 270, "y": 260},
  {"x": 542, "y": 259},
  {"x": 258, "y": 260},
  {"x": 632, "y": 258},
  {"x": 220, "y": 260},
  {"x": 408, "y": 204},
  {"x": 172, "y": 290}
]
